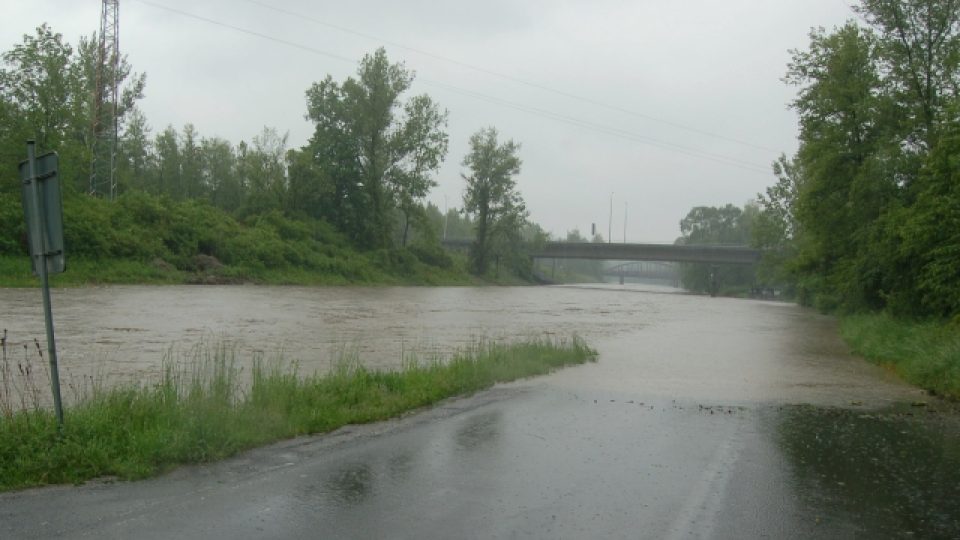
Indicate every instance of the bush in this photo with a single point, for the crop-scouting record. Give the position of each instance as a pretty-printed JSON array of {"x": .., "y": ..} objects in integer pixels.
[
  {"x": 12, "y": 224},
  {"x": 432, "y": 254}
]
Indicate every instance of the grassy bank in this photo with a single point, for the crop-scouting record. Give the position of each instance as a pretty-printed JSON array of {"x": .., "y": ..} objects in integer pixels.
[
  {"x": 926, "y": 354},
  {"x": 15, "y": 272},
  {"x": 140, "y": 238},
  {"x": 202, "y": 412}
]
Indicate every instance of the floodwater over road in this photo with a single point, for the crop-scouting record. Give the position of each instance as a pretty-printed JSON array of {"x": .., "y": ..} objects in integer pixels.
[{"x": 703, "y": 418}]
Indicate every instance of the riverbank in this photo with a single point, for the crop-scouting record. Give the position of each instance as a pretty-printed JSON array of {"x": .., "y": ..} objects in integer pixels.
[
  {"x": 201, "y": 411},
  {"x": 15, "y": 273},
  {"x": 926, "y": 354},
  {"x": 141, "y": 239}
]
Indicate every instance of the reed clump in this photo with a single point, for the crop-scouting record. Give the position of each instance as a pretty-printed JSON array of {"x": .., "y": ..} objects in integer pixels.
[{"x": 207, "y": 408}]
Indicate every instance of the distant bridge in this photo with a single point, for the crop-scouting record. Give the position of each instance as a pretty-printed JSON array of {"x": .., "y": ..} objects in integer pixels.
[
  {"x": 650, "y": 252},
  {"x": 639, "y": 252},
  {"x": 643, "y": 269}
]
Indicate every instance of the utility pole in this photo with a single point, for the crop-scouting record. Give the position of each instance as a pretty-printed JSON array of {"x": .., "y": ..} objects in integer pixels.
[
  {"x": 624, "y": 222},
  {"x": 444, "y": 216},
  {"x": 610, "y": 223},
  {"x": 106, "y": 95}
]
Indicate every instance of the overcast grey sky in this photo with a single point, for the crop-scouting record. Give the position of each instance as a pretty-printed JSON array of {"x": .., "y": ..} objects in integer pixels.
[{"x": 658, "y": 105}]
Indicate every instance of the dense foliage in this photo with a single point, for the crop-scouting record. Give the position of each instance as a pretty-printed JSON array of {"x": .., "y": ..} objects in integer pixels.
[
  {"x": 866, "y": 215},
  {"x": 193, "y": 202}
]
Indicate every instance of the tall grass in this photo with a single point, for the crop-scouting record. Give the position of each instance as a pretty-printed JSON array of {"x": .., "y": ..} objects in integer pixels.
[
  {"x": 207, "y": 408},
  {"x": 926, "y": 354}
]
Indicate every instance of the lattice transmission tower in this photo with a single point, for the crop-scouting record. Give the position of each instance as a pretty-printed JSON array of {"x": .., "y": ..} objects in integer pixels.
[{"x": 106, "y": 94}]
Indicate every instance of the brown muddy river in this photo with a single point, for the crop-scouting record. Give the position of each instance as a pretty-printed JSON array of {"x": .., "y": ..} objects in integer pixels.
[{"x": 755, "y": 350}]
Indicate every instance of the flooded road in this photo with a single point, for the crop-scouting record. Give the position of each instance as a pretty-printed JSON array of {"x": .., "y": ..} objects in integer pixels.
[{"x": 704, "y": 418}]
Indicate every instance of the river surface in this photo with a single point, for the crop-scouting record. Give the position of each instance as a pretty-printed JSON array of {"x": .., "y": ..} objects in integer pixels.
[
  {"x": 703, "y": 418},
  {"x": 124, "y": 333}
]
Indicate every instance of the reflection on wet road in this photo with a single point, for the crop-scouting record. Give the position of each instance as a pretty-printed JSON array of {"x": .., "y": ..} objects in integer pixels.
[
  {"x": 704, "y": 418},
  {"x": 895, "y": 471}
]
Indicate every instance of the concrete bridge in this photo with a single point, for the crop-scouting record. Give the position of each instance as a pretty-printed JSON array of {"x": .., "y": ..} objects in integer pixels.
[
  {"x": 638, "y": 252},
  {"x": 650, "y": 252}
]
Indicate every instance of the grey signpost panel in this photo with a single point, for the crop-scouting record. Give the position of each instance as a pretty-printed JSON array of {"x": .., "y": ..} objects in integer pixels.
[
  {"x": 43, "y": 210},
  {"x": 50, "y": 212}
]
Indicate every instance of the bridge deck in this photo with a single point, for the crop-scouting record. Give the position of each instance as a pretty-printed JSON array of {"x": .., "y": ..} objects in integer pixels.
[
  {"x": 650, "y": 252},
  {"x": 639, "y": 252}
]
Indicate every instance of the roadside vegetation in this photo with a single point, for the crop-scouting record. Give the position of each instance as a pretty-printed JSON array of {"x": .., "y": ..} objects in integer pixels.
[
  {"x": 201, "y": 410},
  {"x": 926, "y": 354}
]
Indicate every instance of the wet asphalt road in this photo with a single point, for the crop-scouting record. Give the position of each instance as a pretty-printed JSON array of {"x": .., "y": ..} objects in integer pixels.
[
  {"x": 526, "y": 461},
  {"x": 730, "y": 435}
]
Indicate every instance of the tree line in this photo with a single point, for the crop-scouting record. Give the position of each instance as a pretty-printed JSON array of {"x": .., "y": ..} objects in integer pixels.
[
  {"x": 866, "y": 214},
  {"x": 366, "y": 170}
]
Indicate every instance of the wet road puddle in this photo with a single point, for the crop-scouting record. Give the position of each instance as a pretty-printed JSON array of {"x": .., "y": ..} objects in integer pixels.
[{"x": 891, "y": 472}]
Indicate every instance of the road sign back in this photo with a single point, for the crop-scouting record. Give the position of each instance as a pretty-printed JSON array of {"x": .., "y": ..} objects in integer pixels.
[{"x": 50, "y": 211}]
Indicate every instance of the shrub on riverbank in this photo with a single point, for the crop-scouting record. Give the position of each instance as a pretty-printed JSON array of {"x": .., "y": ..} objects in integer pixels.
[
  {"x": 140, "y": 238},
  {"x": 926, "y": 354},
  {"x": 201, "y": 412}
]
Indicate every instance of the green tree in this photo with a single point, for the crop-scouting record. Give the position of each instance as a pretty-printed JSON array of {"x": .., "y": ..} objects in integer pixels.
[
  {"x": 712, "y": 225},
  {"x": 776, "y": 228},
  {"x": 454, "y": 225},
  {"x": 849, "y": 157},
  {"x": 491, "y": 196},
  {"x": 310, "y": 191},
  {"x": 46, "y": 90},
  {"x": 920, "y": 51},
  {"x": 41, "y": 87},
  {"x": 135, "y": 160},
  {"x": 424, "y": 145},
  {"x": 191, "y": 177},
  {"x": 168, "y": 176},
  {"x": 924, "y": 239},
  {"x": 378, "y": 154},
  {"x": 219, "y": 172},
  {"x": 263, "y": 171}
]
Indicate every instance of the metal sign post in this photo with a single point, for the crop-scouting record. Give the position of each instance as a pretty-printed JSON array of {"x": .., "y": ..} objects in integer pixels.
[{"x": 42, "y": 207}]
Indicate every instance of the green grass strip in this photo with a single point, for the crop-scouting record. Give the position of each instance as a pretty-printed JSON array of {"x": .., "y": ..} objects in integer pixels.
[
  {"x": 926, "y": 354},
  {"x": 201, "y": 412}
]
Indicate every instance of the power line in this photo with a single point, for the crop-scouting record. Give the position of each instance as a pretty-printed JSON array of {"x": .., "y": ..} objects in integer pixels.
[
  {"x": 248, "y": 31},
  {"x": 608, "y": 130},
  {"x": 511, "y": 78},
  {"x": 601, "y": 128}
]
